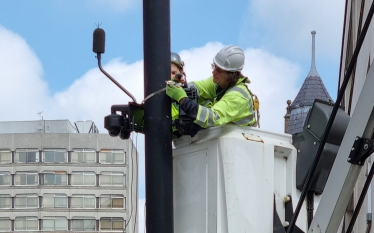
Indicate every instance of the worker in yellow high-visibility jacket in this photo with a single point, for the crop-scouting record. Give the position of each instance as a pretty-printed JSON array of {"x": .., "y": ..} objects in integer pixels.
[
  {"x": 231, "y": 101},
  {"x": 177, "y": 66}
]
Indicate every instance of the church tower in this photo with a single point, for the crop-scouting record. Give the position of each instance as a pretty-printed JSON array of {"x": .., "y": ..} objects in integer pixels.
[{"x": 312, "y": 88}]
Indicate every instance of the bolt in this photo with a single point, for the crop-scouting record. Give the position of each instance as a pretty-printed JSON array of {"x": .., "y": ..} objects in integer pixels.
[
  {"x": 349, "y": 159},
  {"x": 356, "y": 139},
  {"x": 308, "y": 126},
  {"x": 353, "y": 149},
  {"x": 314, "y": 143},
  {"x": 298, "y": 151},
  {"x": 287, "y": 199},
  {"x": 366, "y": 146}
]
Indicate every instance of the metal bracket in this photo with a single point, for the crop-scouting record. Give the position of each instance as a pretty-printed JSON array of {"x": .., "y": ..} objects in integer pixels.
[
  {"x": 136, "y": 117},
  {"x": 134, "y": 113},
  {"x": 361, "y": 150}
]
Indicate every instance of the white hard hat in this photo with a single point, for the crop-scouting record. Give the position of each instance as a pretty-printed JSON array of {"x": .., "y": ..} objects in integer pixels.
[{"x": 230, "y": 58}]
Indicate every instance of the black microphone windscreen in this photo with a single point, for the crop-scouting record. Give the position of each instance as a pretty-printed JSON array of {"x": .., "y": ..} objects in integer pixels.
[{"x": 98, "y": 41}]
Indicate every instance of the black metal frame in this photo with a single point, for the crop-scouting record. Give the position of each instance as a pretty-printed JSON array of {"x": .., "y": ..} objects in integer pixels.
[{"x": 361, "y": 150}]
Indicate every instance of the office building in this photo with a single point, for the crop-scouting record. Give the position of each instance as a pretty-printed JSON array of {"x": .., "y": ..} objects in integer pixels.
[{"x": 55, "y": 177}]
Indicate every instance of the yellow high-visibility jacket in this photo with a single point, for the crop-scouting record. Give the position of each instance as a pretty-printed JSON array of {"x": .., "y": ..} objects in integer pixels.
[
  {"x": 231, "y": 105},
  {"x": 174, "y": 111}
]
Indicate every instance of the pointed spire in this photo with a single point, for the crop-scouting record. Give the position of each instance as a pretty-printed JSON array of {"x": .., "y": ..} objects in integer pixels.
[
  {"x": 313, "y": 69},
  {"x": 312, "y": 88}
]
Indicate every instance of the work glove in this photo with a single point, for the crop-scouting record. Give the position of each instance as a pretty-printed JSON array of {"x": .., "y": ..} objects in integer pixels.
[{"x": 174, "y": 92}]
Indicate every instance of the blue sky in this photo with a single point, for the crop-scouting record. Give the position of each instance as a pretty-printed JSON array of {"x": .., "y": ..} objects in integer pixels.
[
  {"x": 60, "y": 32},
  {"x": 47, "y": 63}
]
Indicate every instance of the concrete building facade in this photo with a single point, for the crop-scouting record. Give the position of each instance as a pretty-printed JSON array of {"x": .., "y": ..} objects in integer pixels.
[{"x": 59, "y": 180}]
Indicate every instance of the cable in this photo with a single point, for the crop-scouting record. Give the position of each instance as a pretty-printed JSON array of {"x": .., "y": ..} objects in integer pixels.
[
  {"x": 132, "y": 179},
  {"x": 258, "y": 118},
  {"x": 347, "y": 76},
  {"x": 161, "y": 90},
  {"x": 145, "y": 214},
  {"x": 153, "y": 94},
  {"x": 137, "y": 181}
]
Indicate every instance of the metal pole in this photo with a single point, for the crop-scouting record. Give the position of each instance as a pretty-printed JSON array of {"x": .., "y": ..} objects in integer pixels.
[{"x": 157, "y": 119}]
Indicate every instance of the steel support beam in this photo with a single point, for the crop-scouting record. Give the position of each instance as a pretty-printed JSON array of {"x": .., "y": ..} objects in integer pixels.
[{"x": 343, "y": 176}]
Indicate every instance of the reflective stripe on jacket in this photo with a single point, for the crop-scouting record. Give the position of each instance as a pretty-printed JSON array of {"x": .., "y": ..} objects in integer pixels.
[{"x": 235, "y": 106}]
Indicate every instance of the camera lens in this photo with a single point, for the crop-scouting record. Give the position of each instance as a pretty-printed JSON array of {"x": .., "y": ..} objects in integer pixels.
[
  {"x": 114, "y": 132},
  {"x": 113, "y": 123}
]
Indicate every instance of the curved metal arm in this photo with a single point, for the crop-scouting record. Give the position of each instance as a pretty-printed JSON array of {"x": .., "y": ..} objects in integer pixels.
[{"x": 113, "y": 80}]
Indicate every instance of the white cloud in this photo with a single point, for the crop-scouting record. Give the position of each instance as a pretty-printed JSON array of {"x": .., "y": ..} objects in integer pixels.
[
  {"x": 273, "y": 80},
  {"x": 285, "y": 26},
  {"x": 198, "y": 61},
  {"x": 20, "y": 77},
  {"x": 92, "y": 95}
]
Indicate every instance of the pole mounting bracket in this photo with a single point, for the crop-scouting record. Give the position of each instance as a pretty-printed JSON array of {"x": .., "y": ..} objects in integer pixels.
[{"x": 361, "y": 150}]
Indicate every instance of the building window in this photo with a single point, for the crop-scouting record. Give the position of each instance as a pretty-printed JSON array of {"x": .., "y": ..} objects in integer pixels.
[
  {"x": 26, "y": 224},
  {"x": 83, "y": 156},
  {"x": 55, "y": 224},
  {"x": 112, "y": 179},
  {"x": 83, "y": 201},
  {"x": 5, "y": 224},
  {"x": 26, "y": 156},
  {"x": 5, "y": 156},
  {"x": 5, "y": 202},
  {"x": 57, "y": 200},
  {"x": 26, "y": 201},
  {"x": 112, "y": 157},
  {"x": 112, "y": 201},
  {"x": 111, "y": 224},
  {"x": 5, "y": 178},
  {"x": 83, "y": 224},
  {"x": 55, "y": 156},
  {"x": 83, "y": 178},
  {"x": 55, "y": 178},
  {"x": 26, "y": 178}
]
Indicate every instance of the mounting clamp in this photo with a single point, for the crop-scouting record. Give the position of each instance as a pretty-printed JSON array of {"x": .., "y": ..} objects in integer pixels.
[{"x": 361, "y": 150}]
